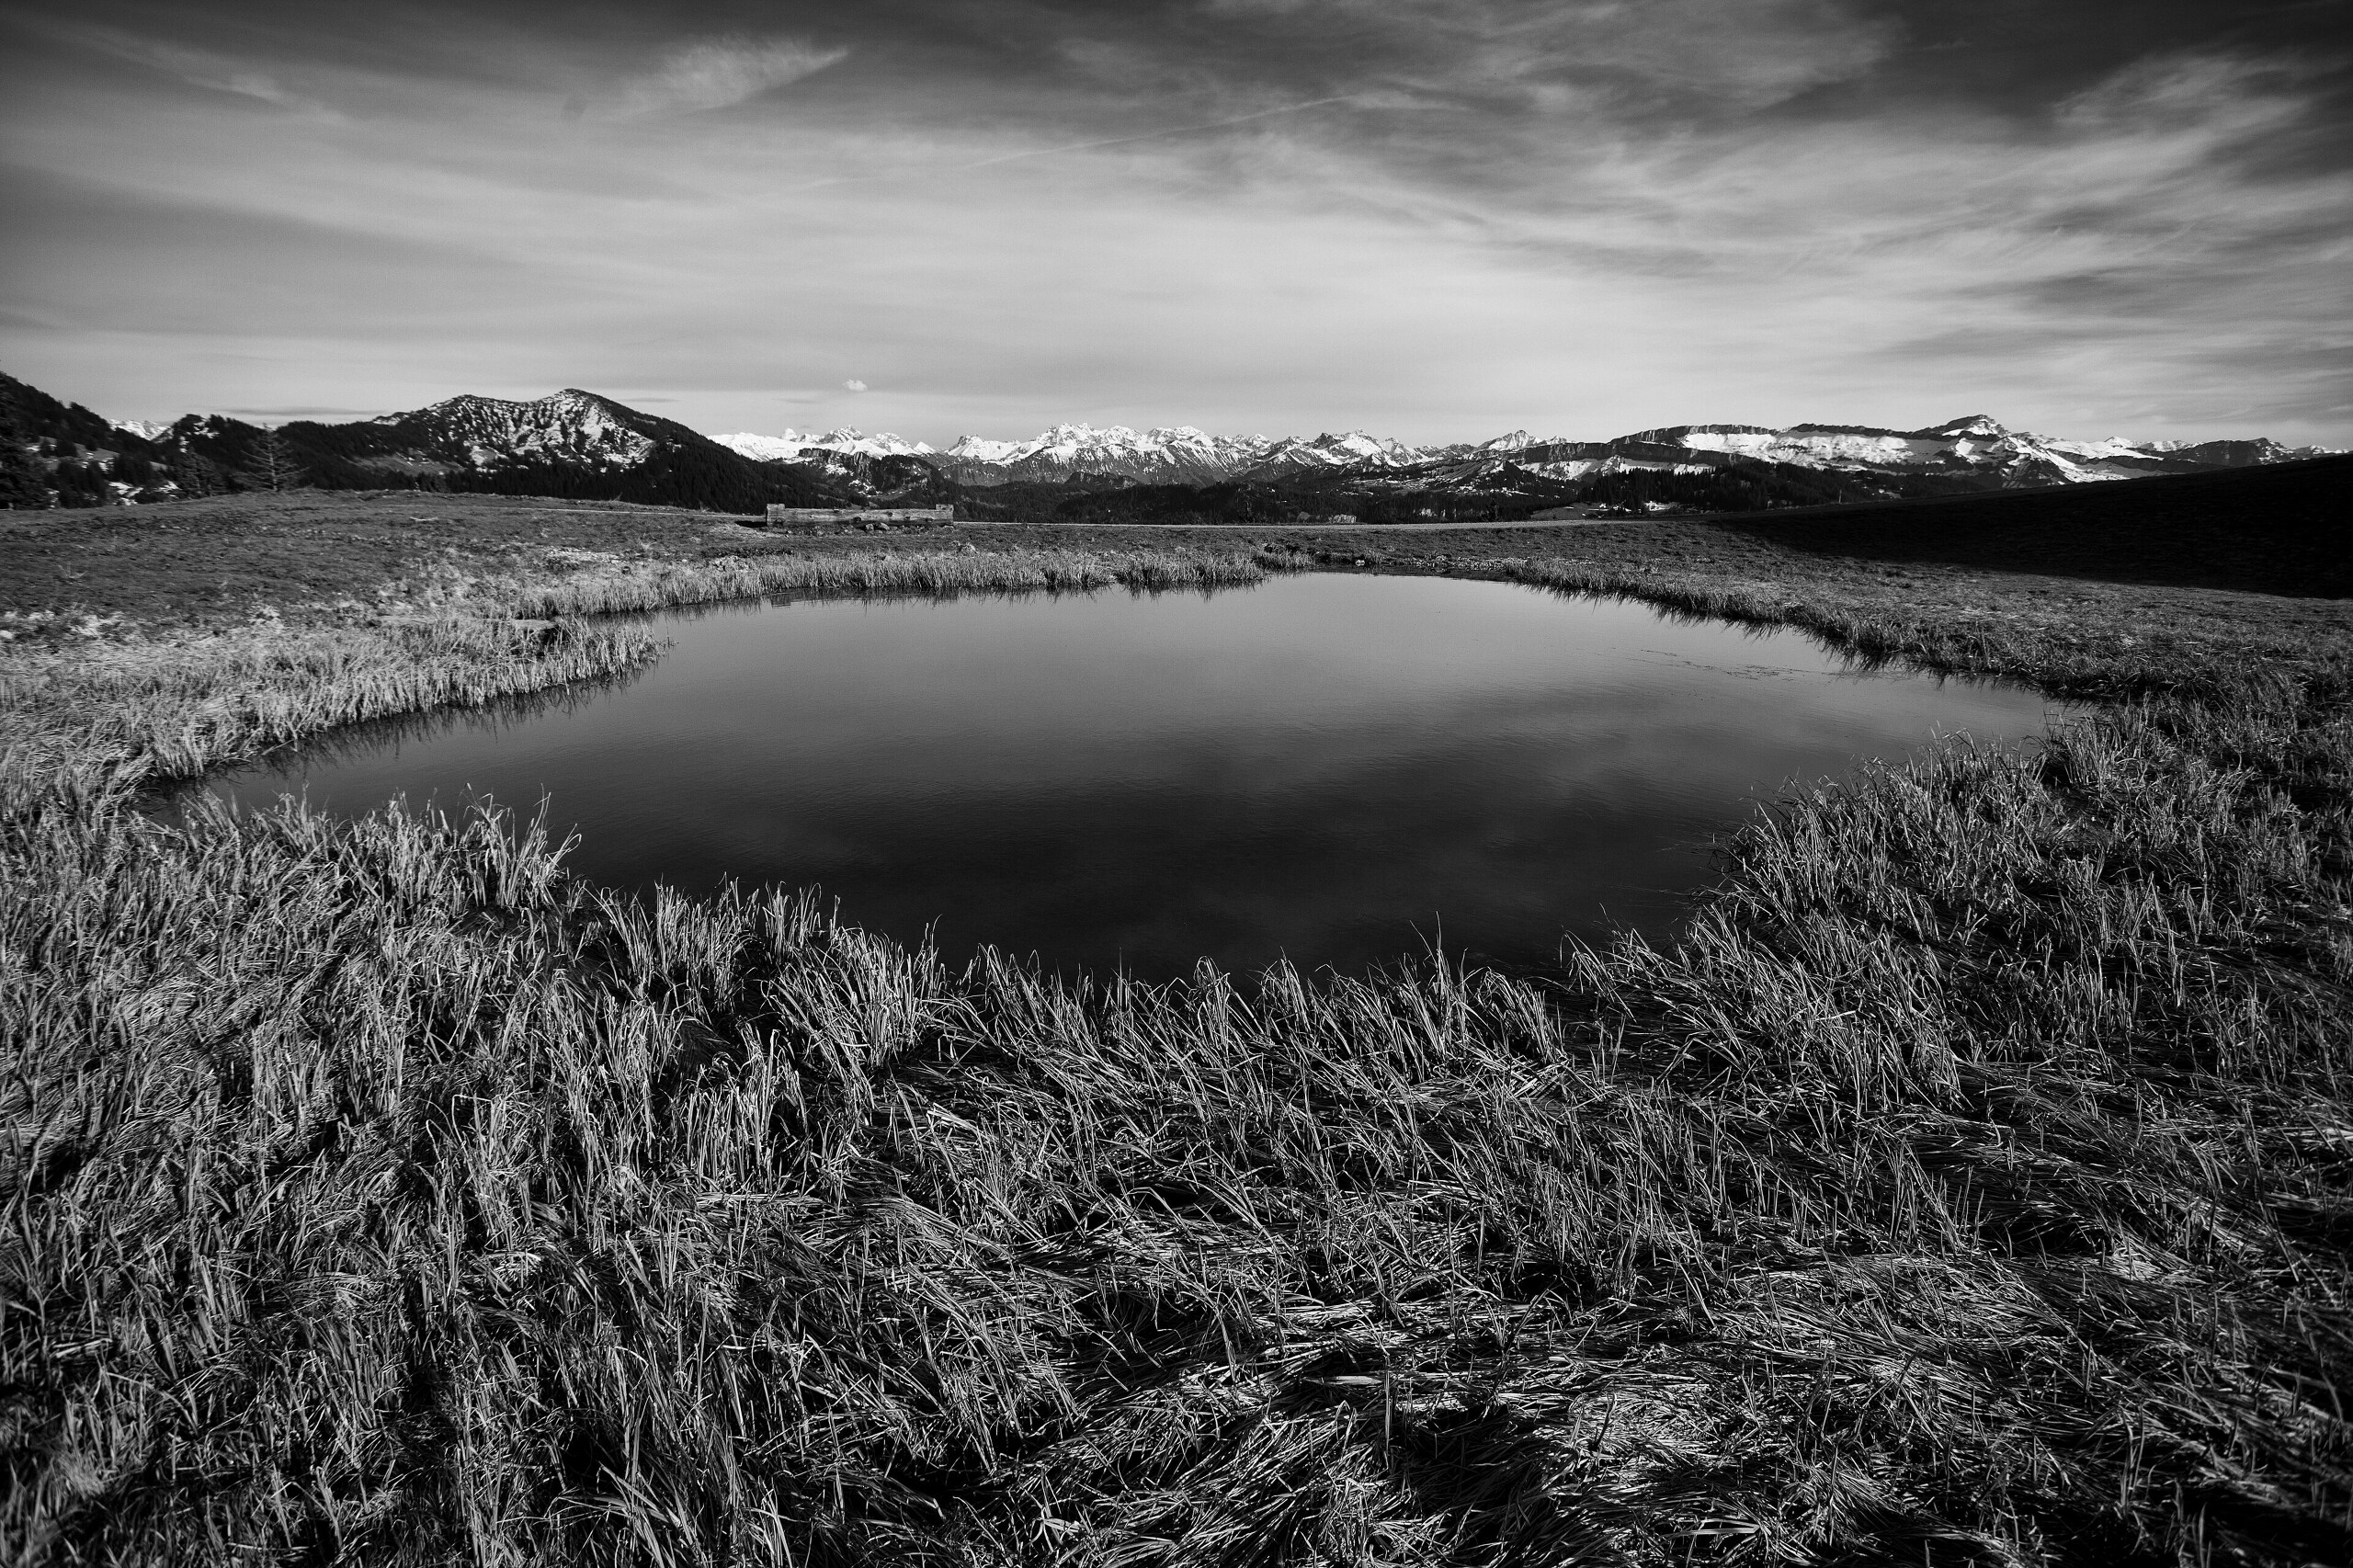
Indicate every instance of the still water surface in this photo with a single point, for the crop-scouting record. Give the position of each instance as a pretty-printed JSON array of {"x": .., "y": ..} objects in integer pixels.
[{"x": 1338, "y": 769}]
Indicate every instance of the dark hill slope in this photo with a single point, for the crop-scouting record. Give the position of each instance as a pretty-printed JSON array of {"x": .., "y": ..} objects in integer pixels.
[
  {"x": 572, "y": 445},
  {"x": 2281, "y": 530},
  {"x": 32, "y": 415}
]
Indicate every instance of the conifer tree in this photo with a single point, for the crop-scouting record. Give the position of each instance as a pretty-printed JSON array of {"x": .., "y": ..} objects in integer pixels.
[
  {"x": 81, "y": 483},
  {"x": 273, "y": 465},
  {"x": 23, "y": 485}
]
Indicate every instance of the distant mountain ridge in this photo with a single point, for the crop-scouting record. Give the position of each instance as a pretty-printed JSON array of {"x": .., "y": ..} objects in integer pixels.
[
  {"x": 787, "y": 447},
  {"x": 572, "y": 445},
  {"x": 1181, "y": 454},
  {"x": 1973, "y": 445},
  {"x": 578, "y": 445}
]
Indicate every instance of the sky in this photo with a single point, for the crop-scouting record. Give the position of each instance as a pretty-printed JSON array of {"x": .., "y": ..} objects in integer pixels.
[{"x": 1436, "y": 220}]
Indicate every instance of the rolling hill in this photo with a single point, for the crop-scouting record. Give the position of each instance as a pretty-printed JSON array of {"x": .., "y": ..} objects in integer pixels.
[{"x": 2284, "y": 528}]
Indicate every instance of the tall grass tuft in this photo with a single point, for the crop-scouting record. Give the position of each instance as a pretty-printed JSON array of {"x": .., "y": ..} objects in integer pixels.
[
  {"x": 933, "y": 574},
  {"x": 112, "y": 716},
  {"x": 2079, "y": 661}
]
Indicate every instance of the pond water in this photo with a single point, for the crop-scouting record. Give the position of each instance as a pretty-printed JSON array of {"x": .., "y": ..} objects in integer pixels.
[{"x": 1338, "y": 768}]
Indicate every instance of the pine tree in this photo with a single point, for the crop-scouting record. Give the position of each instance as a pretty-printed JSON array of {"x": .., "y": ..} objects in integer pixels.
[
  {"x": 23, "y": 485},
  {"x": 196, "y": 474},
  {"x": 80, "y": 484},
  {"x": 273, "y": 465}
]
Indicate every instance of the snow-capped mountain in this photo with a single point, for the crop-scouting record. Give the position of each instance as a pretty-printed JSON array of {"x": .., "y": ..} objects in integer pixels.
[
  {"x": 1974, "y": 451},
  {"x": 1353, "y": 451},
  {"x": 1174, "y": 455},
  {"x": 573, "y": 444},
  {"x": 793, "y": 447},
  {"x": 570, "y": 426},
  {"x": 1180, "y": 455},
  {"x": 1975, "y": 445}
]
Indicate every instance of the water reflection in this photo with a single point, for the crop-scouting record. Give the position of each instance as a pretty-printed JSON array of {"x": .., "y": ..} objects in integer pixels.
[{"x": 1340, "y": 768}]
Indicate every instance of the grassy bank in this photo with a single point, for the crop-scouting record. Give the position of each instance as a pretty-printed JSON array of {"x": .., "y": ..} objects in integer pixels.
[
  {"x": 98, "y": 717},
  {"x": 626, "y": 586},
  {"x": 2229, "y": 648},
  {"x": 90, "y": 703},
  {"x": 310, "y": 556},
  {"x": 1974, "y": 1182}
]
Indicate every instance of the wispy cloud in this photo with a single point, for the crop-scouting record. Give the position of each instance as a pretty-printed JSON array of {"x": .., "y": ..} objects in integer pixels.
[
  {"x": 719, "y": 71},
  {"x": 1161, "y": 135},
  {"x": 217, "y": 72}
]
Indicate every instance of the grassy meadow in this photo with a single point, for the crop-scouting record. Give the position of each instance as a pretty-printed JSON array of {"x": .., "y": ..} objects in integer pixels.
[{"x": 1972, "y": 1182}]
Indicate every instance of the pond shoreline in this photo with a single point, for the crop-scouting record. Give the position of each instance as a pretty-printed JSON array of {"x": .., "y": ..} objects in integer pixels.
[{"x": 1335, "y": 768}]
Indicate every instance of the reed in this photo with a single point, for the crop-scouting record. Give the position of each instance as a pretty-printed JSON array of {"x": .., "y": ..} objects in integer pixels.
[
  {"x": 108, "y": 717},
  {"x": 2079, "y": 650},
  {"x": 1970, "y": 1184},
  {"x": 659, "y": 584}
]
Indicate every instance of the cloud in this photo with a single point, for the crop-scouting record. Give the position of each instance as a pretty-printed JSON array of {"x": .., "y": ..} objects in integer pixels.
[
  {"x": 855, "y": 385},
  {"x": 715, "y": 73},
  {"x": 196, "y": 67}
]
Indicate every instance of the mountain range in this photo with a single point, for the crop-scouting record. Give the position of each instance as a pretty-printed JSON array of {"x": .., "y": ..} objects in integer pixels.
[
  {"x": 578, "y": 445},
  {"x": 1975, "y": 446}
]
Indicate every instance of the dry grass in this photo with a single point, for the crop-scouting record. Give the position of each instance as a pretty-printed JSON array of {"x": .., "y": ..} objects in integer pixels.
[
  {"x": 1975, "y": 1183},
  {"x": 90, "y": 711},
  {"x": 100, "y": 717},
  {"x": 2122, "y": 645},
  {"x": 310, "y": 555},
  {"x": 623, "y": 585}
]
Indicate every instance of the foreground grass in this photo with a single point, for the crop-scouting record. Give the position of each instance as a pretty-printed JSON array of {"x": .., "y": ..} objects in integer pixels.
[
  {"x": 105, "y": 717},
  {"x": 1973, "y": 1183}
]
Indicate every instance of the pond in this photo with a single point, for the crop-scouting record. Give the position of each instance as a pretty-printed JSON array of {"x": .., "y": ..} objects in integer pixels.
[{"x": 1338, "y": 768}]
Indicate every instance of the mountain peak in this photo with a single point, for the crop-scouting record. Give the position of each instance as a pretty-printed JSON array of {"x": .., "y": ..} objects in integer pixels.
[{"x": 845, "y": 440}]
